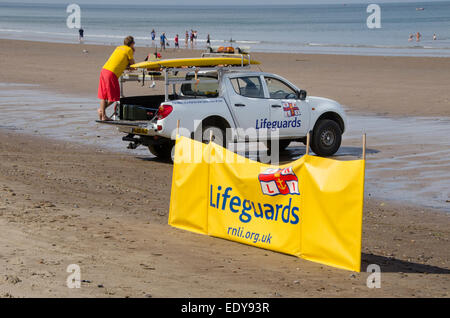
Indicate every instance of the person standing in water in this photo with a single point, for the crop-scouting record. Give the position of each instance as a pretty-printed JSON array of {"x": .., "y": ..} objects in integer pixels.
[
  {"x": 162, "y": 41},
  {"x": 186, "y": 39},
  {"x": 191, "y": 38},
  {"x": 81, "y": 35},
  {"x": 208, "y": 41},
  {"x": 177, "y": 45},
  {"x": 108, "y": 87},
  {"x": 418, "y": 35},
  {"x": 153, "y": 35}
]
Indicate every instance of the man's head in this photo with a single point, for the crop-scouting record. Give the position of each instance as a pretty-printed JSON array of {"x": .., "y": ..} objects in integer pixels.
[{"x": 129, "y": 41}]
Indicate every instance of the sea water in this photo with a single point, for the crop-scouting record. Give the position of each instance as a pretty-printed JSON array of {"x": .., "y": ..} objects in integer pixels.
[{"x": 337, "y": 29}]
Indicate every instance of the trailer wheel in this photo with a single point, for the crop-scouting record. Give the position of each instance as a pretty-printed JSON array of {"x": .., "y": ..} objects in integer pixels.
[{"x": 326, "y": 138}]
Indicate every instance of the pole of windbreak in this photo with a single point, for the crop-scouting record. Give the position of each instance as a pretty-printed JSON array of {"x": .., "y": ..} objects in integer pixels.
[
  {"x": 178, "y": 128},
  {"x": 166, "y": 85},
  {"x": 364, "y": 146},
  {"x": 308, "y": 137},
  {"x": 247, "y": 147}
]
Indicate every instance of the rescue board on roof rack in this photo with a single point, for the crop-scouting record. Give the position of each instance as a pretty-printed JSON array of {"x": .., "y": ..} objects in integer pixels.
[{"x": 195, "y": 62}]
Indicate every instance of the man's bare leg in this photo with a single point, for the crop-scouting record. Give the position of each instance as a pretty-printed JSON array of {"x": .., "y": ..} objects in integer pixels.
[{"x": 102, "y": 110}]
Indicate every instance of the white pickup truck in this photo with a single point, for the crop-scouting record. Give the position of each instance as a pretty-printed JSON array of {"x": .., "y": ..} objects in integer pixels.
[{"x": 248, "y": 103}]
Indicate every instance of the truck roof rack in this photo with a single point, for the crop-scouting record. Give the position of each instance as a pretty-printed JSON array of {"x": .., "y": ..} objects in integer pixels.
[{"x": 170, "y": 74}]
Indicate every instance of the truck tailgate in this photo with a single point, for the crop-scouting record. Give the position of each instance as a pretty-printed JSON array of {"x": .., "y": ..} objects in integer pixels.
[{"x": 131, "y": 123}]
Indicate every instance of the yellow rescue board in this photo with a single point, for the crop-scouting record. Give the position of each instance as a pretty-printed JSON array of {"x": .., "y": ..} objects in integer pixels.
[{"x": 200, "y": 62}]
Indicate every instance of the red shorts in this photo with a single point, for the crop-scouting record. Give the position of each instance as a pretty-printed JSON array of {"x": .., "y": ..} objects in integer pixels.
[{"x": 108, "y": 86}]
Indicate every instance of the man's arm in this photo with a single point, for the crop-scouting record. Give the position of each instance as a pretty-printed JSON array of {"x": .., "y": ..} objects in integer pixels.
[{"x": 131, "y": 63}]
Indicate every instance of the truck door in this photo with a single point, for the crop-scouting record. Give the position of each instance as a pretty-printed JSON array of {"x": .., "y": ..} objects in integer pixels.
[
  {"x": 249, "y": 103},
  {"x": 287, "y": 112}
]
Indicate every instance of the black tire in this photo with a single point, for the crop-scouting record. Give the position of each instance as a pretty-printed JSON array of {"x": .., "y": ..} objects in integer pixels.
[
  {"x": 162, "y": 151},
  {"x": 326, "y": 138},
  {"x": 220, "y": 140}
]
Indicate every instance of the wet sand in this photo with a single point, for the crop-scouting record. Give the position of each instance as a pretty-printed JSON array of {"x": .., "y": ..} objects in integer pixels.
[
  {"x": 76, "y": 201},
  {"x": 409, "y": 162}
]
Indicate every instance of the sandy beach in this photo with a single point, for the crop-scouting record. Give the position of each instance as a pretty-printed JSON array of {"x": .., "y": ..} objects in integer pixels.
[
  {"x": 64, "y": 202},
  {"x": 400, "y": 86}
]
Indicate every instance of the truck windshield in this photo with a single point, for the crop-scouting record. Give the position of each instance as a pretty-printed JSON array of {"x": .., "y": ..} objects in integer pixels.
[{"x": 207, "y": 86}]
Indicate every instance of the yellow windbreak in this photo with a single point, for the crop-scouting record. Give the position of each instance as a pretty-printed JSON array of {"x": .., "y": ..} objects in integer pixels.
[{"x": 310, "y": 208}]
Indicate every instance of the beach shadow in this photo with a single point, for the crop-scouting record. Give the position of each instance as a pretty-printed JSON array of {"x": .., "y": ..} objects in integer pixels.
[
  {"x": 354, "y": 151},
  {"x": 392, "y": 265},
  {"x": 343, "y": 151},
  {"x": 294, "y": 153},
  {"x": 290, "y": 154}
]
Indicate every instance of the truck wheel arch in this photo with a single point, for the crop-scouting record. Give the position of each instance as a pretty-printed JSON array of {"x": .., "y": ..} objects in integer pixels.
[
  {"x": 331, "y": 116},
  {"x": 214, "y": 120}
]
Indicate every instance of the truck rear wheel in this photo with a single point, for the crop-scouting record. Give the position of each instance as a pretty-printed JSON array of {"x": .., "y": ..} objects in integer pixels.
[
  {"x": 326, "y": 138},
  {"x": 218, "y": 135},
  {"x": 163, "y": 151}
]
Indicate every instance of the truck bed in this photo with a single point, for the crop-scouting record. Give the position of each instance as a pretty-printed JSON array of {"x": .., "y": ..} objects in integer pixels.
[{"x": 135, "y": 108}]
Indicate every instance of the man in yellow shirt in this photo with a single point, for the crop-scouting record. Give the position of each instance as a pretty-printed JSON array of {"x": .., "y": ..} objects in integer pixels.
[{"x": 108, "y": 87}]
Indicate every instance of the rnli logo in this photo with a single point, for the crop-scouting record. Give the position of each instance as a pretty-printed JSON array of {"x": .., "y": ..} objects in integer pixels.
[
  {"x": 279, "y": 181},
  {"x": 290, "y": 109}
]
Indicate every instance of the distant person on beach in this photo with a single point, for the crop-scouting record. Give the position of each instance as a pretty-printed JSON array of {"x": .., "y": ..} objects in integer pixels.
[
  {"x": 162, "y": 41},
  {"x": 208, "y": 40},
  {"x": 108, "y": 87},
  {"x": 434, "y": 37},
  {"x": 191, "y": 37},
  {"x": 153, "y": 34},
  {"x": 186, "y": 39},
  {"x": 81, "y": 35},
  {"x": 177, "y": 45},
  {"x": 411, "y": 37},
  {"x": 418, "y": 36}
]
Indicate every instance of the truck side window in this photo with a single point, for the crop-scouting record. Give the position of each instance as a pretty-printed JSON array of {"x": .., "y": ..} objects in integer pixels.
[
  {"x": 248, "y": 86},
  {"x": 279, "y": 90}
]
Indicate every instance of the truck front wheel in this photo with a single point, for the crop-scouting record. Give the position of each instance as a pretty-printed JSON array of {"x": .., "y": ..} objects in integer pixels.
[{"x": 326, "y": 138}]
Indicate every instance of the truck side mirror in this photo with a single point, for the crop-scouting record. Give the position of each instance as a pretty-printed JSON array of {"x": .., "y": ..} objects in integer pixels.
[{"x": 302, "y": 94}]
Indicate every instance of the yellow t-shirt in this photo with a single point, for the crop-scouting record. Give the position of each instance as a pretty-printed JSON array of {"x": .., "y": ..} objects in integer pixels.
[{"x": 119, "y": 60}]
